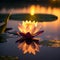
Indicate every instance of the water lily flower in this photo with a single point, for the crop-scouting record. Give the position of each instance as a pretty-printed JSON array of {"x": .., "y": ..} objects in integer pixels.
[{"x": 27, "y": 42}]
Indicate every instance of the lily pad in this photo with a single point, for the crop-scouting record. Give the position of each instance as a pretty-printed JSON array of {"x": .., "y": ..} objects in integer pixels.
[
  {"x": 36, "y": 17},
  {"x": 7, "y": 29},
  {"x": 13, "y": 32},
  {"x": 8, "y": 58},
  {"x": 51, "y": 43}
]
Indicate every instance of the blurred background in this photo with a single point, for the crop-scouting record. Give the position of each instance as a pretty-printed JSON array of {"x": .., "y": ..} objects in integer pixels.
[{"x": 51, "y": 29}]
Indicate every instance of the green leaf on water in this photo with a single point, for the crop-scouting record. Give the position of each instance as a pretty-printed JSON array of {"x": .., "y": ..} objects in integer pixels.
[
  {"x": 8, "y": 58},
  {"x": 50, "y": 43}
]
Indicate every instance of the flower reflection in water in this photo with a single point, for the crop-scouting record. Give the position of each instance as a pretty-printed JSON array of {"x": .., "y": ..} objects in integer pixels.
[{"x": 27, "y": 41}]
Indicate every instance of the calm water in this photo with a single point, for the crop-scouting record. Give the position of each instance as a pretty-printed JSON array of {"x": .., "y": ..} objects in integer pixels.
[{"x": 52, "y": 32}]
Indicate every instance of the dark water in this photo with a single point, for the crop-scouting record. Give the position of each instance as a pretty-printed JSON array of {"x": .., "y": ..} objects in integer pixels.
[
  {"x": 52, "y": 32},
  {"x": 46, "y": 53}
]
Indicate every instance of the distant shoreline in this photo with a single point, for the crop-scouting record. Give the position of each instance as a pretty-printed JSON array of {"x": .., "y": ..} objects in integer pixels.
[{"x": 10, "y": 5}]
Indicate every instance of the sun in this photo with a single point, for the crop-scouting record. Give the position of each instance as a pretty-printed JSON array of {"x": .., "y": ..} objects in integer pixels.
[{"x": 32, "y": 10}]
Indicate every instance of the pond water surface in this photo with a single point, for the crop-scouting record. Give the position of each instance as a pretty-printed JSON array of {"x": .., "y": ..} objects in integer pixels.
[{"x": 51, "y": 32}]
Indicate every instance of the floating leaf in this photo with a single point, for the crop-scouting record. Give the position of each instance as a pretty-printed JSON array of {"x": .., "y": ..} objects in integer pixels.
[
  {"x": 13, "y": 32},
  {"x": 50, "y": 43},
  {"x": 36, "y": 17},
  {"x": 7, "y": 29},
  {"x": 8, "y": 58}
]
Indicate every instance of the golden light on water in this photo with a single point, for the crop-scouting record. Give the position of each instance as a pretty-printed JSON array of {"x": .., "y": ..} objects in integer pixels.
[
  {"x": 32, "y": 10},
  {"x": 54, "y": 0},
  {"x": 32, "y": 28}
]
